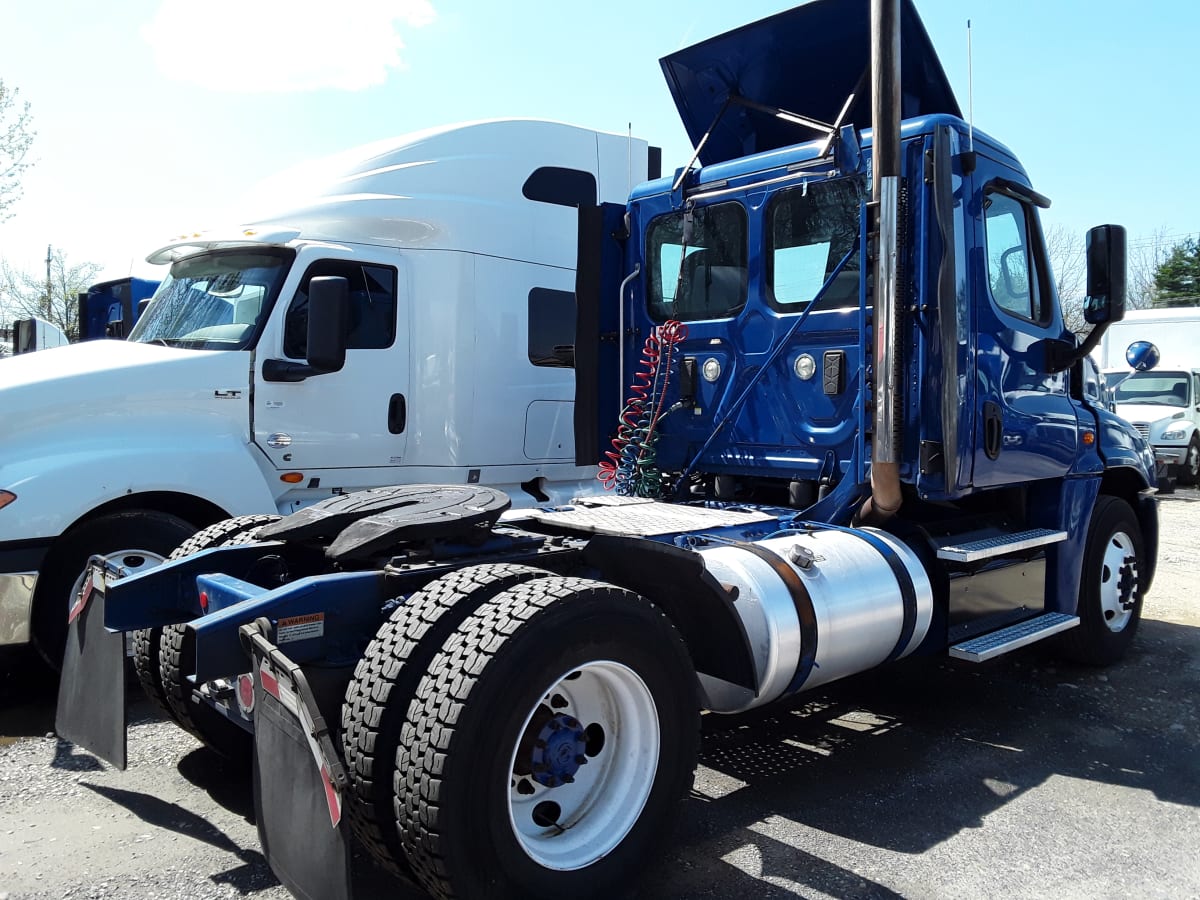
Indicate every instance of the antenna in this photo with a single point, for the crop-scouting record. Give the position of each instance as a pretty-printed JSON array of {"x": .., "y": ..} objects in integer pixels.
[
  {"x": 628, "y": 159},
  {"x": 970, "y": 93}
]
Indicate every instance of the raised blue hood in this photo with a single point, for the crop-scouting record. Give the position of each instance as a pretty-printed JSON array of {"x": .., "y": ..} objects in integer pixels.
[{"x": 806, "y": 61}]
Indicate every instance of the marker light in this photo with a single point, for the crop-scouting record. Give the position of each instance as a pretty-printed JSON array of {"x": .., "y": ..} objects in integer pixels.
[
  {"x": 711, "y": 369},
  {"x": 6, "y": 497},
  {"x": 805, "y": 367},
  {"x": 292, "y": 477}
]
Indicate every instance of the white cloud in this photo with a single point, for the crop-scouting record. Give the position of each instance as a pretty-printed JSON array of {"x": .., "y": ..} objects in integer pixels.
[{"x": 282, "y": 45}]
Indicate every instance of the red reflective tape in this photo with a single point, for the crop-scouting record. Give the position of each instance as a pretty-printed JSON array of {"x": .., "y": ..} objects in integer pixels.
[
  {"x": 332, "y": 798},
  {"x": 82, "y": 600},
  {"x": 270, "y": 683}
]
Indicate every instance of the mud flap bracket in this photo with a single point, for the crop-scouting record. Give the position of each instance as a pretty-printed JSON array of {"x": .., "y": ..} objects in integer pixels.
[{"x": 299, "y": 780}]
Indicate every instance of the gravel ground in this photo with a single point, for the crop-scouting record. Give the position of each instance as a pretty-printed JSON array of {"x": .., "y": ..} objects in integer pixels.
[{"x": 1022, "y": 777}]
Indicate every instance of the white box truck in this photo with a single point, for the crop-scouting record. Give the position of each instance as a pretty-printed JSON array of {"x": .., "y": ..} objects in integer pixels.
[
  {"x": 459, "y": 247},
  {"x": 1163, "y": 404}
]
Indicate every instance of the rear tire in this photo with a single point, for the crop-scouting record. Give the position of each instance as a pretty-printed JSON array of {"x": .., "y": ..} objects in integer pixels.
[
  {"x": 163, "y": 660},
  {"x": 1110, "y": 591},
  {"x": 384, "y": 681},
  {"x": 546, "y": 749}
]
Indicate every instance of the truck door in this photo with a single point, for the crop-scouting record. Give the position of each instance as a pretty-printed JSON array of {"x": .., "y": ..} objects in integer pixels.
[
  {"x": 352, "y": 419},
  {"x": 1026, "y": 427}
]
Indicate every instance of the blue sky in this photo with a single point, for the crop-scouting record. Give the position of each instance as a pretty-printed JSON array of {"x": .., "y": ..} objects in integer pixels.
[{"x": 160, "y": 116}]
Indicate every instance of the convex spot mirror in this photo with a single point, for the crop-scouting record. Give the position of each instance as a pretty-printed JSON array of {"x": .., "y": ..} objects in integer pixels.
[
  {"x": 1105, "y": 275},
  {"x": 328, "y": 322},
  {"x": 1142, "y": 356}
]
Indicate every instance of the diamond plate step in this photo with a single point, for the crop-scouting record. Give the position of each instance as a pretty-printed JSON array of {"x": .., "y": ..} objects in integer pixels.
[
  {"x": 987, "y": 548},
  {"x": 1030, "y": 631}
]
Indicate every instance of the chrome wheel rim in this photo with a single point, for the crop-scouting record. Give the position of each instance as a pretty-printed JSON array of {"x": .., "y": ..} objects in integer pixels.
[
  {"x": 129, "y": 562},
  {"x": 583, "y": 766},
  {"x": 1118, "y": 581}
]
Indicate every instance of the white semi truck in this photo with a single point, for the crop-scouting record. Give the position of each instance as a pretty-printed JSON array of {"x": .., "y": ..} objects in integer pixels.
[{"x": 459, "y": 247}]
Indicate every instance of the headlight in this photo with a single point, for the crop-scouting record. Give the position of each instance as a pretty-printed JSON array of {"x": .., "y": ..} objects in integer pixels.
[{"x": 1174, "y": 434}]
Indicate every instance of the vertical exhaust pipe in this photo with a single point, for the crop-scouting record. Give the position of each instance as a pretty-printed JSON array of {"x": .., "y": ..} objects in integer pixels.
[{"x": 885, "y": 496}]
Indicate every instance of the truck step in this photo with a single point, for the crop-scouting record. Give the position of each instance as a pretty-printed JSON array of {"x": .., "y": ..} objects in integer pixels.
[
  {"x": 1023, "y": 633},
  {"x": 999, "y": 545}
]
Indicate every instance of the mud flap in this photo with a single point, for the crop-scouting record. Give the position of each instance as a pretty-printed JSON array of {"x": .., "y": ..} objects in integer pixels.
[
  {"x": 298, "y": 778},
  {"x": 91, "y": 691}
]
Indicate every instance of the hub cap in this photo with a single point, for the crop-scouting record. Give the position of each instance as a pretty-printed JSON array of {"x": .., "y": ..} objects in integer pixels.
[
  {"x": 1118, "y": 581},
  {"x": 584, "y": 766},
  {"x": 131, "y": 562}
]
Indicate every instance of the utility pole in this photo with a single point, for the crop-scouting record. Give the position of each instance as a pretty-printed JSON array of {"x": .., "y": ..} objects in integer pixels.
[{"x": 49, "y": 285}]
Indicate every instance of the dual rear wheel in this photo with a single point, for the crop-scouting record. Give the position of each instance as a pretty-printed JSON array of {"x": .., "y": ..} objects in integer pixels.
[{"x": 512, "y": 733}]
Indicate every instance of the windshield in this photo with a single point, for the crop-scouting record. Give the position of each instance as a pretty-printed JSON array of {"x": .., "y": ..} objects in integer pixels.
[
  {"x": 1154, "y": 389},
  {"x": 215, "y": 301}
]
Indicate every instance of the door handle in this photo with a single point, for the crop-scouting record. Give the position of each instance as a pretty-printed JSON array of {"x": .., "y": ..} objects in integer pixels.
[
  {"x": 993, "y": 429},
  {"x": 397, "y": 414}
]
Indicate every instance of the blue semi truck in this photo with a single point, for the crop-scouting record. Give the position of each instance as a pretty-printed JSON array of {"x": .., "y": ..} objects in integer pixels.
[
  {"x": 110, "y": 309},
  {"x": 825, "y": 375}
]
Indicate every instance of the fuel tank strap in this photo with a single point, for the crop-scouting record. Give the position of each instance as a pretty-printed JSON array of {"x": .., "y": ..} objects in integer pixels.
[{"x": 805, "y": 612}]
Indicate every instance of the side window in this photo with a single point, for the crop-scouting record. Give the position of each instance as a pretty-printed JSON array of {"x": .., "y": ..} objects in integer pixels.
[
  {"x": 372, "y": 307},
  {"x": 696, "y": 262},
  {"x": 552, "y": 328},
  {"x": 1196, "y": 389},
  {"x": 812, "y": 228},
  {"x": 1013, "y": 276}
]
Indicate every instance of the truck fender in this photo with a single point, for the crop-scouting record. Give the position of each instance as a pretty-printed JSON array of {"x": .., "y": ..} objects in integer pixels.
[
  {"x": 677, "y": 581},
  {"x": 63, "y": 485}
]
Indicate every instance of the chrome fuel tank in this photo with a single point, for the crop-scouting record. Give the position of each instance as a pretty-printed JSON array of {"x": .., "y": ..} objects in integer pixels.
[{"x": 817, "y": 606}]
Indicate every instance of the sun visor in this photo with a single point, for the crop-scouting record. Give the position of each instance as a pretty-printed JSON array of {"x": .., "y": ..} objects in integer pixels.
[{"x": 806, "y": 61}]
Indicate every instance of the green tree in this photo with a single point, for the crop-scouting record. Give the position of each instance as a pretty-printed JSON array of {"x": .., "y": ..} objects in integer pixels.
[
  {"x": 16, "y": 137},
  {"x": 1177, "y": 278},
  {"x": 25, "y": 294}
]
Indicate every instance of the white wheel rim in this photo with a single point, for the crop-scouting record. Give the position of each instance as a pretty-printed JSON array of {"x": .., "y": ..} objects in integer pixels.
[
  {"x": 1118, "y": 581},
  {"x": 130, "y": 562},
  {"x": 602, "y": 799}
]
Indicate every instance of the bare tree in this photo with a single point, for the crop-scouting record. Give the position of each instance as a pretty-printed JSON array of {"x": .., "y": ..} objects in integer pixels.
[
  {"x": 16, "y": 137},
  {"x": 54, "y": 298},
  {"x": 1065, "y": 250},
  {"x": 1146, "y": 256}
]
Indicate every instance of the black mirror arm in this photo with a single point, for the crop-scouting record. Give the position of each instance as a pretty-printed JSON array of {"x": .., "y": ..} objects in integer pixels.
[
  {"x": 1060, "y": 356},
  {"x": 287, "y": 371}
]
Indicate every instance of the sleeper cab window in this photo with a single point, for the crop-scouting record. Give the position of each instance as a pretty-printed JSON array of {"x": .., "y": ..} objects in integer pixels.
[
  {"x": 372, "y": 324},
  {"x": 1012, "y": 268},
  {"x": 552, "y": 328},
  {"x": 812, "y": 228},
  {"x": 703, "y": 277}
]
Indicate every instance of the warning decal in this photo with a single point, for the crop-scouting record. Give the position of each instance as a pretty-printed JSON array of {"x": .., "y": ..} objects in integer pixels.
[{"x": 300, "y": 628}]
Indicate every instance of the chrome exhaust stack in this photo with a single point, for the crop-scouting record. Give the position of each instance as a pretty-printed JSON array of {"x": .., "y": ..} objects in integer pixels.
[{"x": 885, "y": 497}]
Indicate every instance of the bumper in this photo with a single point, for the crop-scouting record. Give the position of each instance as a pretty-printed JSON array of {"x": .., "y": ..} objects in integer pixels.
[
  {"x": 1171, "y": 456},
  {"x": 19, "y": 565}
]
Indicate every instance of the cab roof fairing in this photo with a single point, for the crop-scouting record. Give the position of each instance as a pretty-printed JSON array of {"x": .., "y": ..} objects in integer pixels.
[
  {"x": 806, "y": 61},
  {"x": 453, "y": 188}
]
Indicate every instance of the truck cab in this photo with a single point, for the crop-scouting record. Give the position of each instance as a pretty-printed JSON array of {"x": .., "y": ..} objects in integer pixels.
[{"x": 457, "y": 246}]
